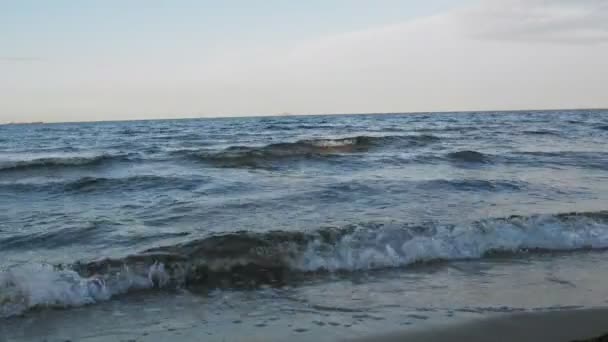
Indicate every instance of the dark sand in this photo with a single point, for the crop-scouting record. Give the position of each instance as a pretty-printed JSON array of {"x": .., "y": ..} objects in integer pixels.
[{"x": 571, "y": 325}]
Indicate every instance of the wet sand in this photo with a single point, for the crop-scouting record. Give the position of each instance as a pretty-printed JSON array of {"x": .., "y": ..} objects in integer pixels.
[
  {"x": 570, "y": 325},
  {"x": 107, "y": 322}
]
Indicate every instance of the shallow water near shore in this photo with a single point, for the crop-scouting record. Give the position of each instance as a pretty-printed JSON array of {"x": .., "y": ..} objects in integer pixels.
[
  {"x": 334, "y": 307},
  {"x": 324, "y": 227}
]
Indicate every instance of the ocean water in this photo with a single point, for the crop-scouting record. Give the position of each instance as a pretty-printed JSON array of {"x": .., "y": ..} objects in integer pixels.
[{"x": 334, "y": 226}]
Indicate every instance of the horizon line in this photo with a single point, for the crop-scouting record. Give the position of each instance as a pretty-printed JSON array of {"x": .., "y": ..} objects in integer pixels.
[{"x": 289, "y": 114}]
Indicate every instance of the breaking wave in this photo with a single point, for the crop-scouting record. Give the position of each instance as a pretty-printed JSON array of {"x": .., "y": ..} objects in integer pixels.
[
  {"x": 236, "y": 156},
  {"x": 468, "y": 157},
  {"x": 247, "y": 259}
]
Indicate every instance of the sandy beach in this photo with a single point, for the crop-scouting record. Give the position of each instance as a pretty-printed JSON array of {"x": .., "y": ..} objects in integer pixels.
[{"x": 570, "y": 325}]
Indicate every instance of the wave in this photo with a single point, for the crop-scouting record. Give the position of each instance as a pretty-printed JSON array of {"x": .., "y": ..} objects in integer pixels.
[
  {"x": 236, "y": 156},
  {"x": 289, "y": 127},
  {"x": 247, "y": 259},
  {"x": 461, "y": 129},
  {"x": 87, "y": 233},
  {"x": 468, "y": 157},
  {"x": 96, "y": 184},
  {"x": 87, "y": 184},
  {"x": 603, "y": 128},
  {"x": 58, "y": 238},
  {"x": 59, "y": 162},
  {"x": 471, "y": 158},
  {"x": 474, "y": 185},
  {"x": 585, "y": 159},
  {"x": 542, "y": 132}
]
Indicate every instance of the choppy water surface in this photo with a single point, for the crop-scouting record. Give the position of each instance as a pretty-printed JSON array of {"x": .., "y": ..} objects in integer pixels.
[{"x": 89, "y": 211}]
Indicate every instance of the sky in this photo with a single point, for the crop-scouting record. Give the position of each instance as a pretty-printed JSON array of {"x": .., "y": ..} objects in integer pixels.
[{"x": 113, "y": 59}]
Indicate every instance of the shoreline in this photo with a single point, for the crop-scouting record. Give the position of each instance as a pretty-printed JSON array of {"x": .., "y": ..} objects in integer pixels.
[{"x": 579, "y": 325}]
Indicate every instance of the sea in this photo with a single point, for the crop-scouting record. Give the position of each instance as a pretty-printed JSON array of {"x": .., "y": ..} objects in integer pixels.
[{"x": 298, "y": 227}]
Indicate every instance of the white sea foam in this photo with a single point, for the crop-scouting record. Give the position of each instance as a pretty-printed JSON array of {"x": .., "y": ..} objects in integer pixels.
[
  {"x": 39, "y": 285},
  {"x": 366, "y": 249},
  {"x": 333, "y": 142}
]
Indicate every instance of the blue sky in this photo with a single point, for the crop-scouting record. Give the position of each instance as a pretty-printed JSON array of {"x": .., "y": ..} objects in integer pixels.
[
  {"x": 95, "y": 60},
  {"x": 115, "y": 29}
]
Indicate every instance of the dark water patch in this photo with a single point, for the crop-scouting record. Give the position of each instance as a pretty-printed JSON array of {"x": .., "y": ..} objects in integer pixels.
[
  {"x": 162, "y": 137},
  {"x": 188, "y": 137},
  {"x": 344, "y": 191},
  {"x": 320, "y": 307},
  {"x": 25, "y": 187},
  {"x": 469, "y": 157},
  {"x": 41, "y": 149},
  {"x": 542, "y": 132},
  {"x": 277, "y": 127},
  {"x": 143, "y": 130},
  {"x": 483, "y": 310},
  {"x": 134, "y": 131},
  {"x": 473, "y": 185},
  {"x": 102, "y": 184},
  {"x": 603, "y": 127},
  {"x": 291, "y": 127},
  {"x": 53, "y": 163},
  {"x": 133, "y": 183},
  {"x": 461, "y": 129},
  {"x": 86, "y": 231},
  {"x": 595, "y": 160},
  {"x": 363, "y": 191},
  {"x": 324, "y": 127},
  {"x": 151, "y": 236},
  {"x": 390, "y": 129}
]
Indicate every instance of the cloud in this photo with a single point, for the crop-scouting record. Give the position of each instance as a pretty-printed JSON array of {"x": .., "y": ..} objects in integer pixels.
[
  {"x": 438, "y": 63},
  {"x": 557, "y": 21}
]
